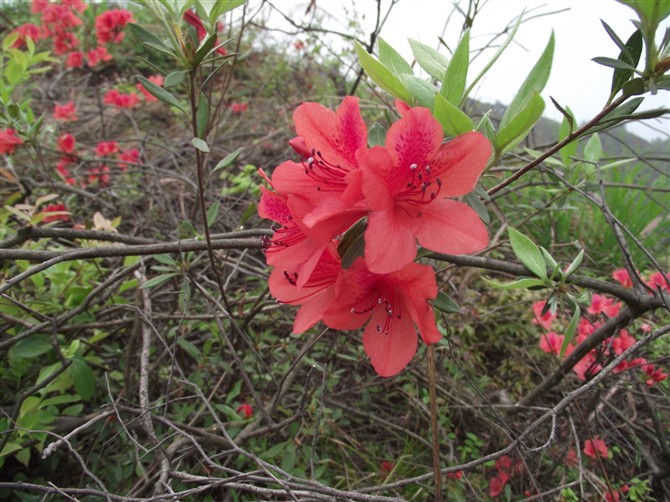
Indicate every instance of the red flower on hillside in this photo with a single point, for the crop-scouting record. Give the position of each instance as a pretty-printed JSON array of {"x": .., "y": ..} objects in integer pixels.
[
  {"x": 65, "y": 143},
  {"x": 551, "y": 342},
  {"x": 27, "y": 30},
  {"x": 245, "y": 410},
  {"x": 595, "y": 447},
  {"x": 545, "y": 319},
  {"x": 119, "y": 100},
  {"x": 109, "y": 25},
  {"x": 66, "y": 112},
  {"x": 393, "y": 305},
  {"x": 8, "y": 141},
  {"x": 99, "y": 175},
  {"x": 64, "y": 172},
  {"x": 75, "y": 59},
  {"x": 131, "y": 156},
  {"x": 326, "y": 185},
  {"x": 622, "y": 277},
  {"x": 55, "y": 212},
  {"x": 657, "y": 280},
  {"x": 602, "y": 304},
  {"x": 95, "y": 56},
  {"x": 106, "y": 148},
  {"x": 406, "y": 184}
]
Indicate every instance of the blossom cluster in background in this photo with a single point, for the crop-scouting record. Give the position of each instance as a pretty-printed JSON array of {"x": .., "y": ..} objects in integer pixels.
[
  {"x": 600, "y": 309},
  {"x": 388, "y": 196}
]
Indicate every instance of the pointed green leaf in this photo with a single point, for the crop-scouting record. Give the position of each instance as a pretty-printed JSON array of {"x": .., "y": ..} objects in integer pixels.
[
  {"x": 523, "y": 283},
  {"x": 452, "y": 119},
  {"x": 453, "y": 86},
  {"x": 593, "y": 150},
  {"x": 390, "y": 58},
  {"x": 221, "y": 7},
  {"x": 516, "y": 129},
  {"x": 574, "y": 265},
  {"x": 160, "y": 93},
  {"x": 158, "y": 280},
  {"x": 212, "y": 213},
  {"x": 630, "y": 53},
  {"x": 445, "y": 304},
  {"x": 613, "y": 63},
  {"x": 570, "y": 331},
  {"x": 227, "y": 161},
  {"x": 376, "y": 135},
  {"x": 381, "y": 75},
  {"x": 175, "y": 78},
  {"x": 534, "y": 83},
  {"x": 83, "y": 378},
  {"x": 475, "y": 203},
  {"x": 528, "y": 253},
  {"x": 145, "y": 36},
  {"x": 423, "y": 92},
  {"x": 429, "y": 59},
  {"x": 200, "y": 145}
]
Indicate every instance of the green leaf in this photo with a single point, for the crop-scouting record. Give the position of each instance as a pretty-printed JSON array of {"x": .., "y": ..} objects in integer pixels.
[
  {"x": 485, "y": 127},
  {"x": 445, "y": 304},
  {"x": 570, "y": 331},
  {"x": 516, "y": 129},
  {"x": 453, "y": 86},
  {"x": 421, "y": 91},
  {"x": 200, "y": 145},
  {"x": 475, "y": 203},
  {"x": 429, "y": 59},
  {"x": 190, "y": 348},
  {"x": 205, "y": 48},
  {"x": 352, "y": 244},
  {"x": 390, "y": 58},
  {"x": 175, "y": 78},
  {"x": 145, "y": 36},
  {"x": 166, "y": 259},
  {"x": 613, "y": 63},
  {"x": 593, "y": 150},
  {"x": 381, "y": 75},
  {"x": 83, "y": 378},
  {"x": 212, "y": 213},
  {"x": 31, "y": 347},
  {"x": 528, "y": 253},
  {"x": 376, "y": 135},
  {"x": 452, "y": 119},
  {"x": 534, "y": 83},
  {"x": 620, "y": 114},
  {"x": 221, "y": 7},
  {"x": 566, "y": 128},
  {"x": 227, "y": 161},
  {"x": 158, "y": 280},
  {"x": 523, "y": 283},
  {"x": 202, "y": 115},
  {"x": 160, "y": 93},
  {"x": 630, "y": 53},
  {"x": 574, "y": 265}
]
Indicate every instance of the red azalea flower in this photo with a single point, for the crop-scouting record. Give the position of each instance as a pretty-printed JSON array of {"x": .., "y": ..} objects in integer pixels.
[
  {"x": 587, "y": 366},
  {"x": 657, "y": 280},
  {"x": 239, "y": 107},
  {"x": 298, "y": 45},
  {"x": 64, "y": 42},
  {"x": 95, "y": 56},
  {"x": 115, "y": 98},
  {"x": 545, "y": 319},
  {"x": 289, "y": 249},
  {"x": 551, "y": 342},
  {"x": 66, "y": 143},
  {"x": 405, "y": 184},
  {"x": 76, "y": 5},
  {"x": 131, "y": 156},
  {"x": 497, "y": 484},
  {"x": 245, "y": 410},
  {"x": 8, "y": 141},
  {"x": 150, "y": 98},
  {"x": 59, "y": 211},
  {"x": 387, "y": 467},
  {"x": 655, "y": 375},
  {"x": 74, "y": 59},
  {"x": 27, "y": 30},
  {"x": 317, "y": 293},
  {"x": 391, "y": 305},
  {"x": 595, "y": 447},
  {"x": 612, "y": 496},
  {"x": 602, "y": 304},
  {"x": 99, "y": 175},
  {"x": 455, "y": 475},
  {"x": 571, "y": 458},
  {"x": 106, "y": 148},
  {"x": 622, "y": 277},
  {"x": 66, "y": 112},
  {"x": 328, "y": 181},
  {"x": 622, "y": 342},
  {"x": 109, "y": 25}
]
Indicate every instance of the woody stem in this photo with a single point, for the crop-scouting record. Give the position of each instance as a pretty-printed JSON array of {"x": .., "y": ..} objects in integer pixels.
[{"x": 432, "y": 385}]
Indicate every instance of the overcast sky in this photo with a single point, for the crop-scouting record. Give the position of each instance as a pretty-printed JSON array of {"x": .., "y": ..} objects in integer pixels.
[{"x": 575, "y": 80}]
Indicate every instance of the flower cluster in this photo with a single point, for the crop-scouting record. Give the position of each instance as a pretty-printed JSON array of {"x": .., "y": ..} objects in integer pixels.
[
  {"x": 505, "y": 470},
  {"x": 600, "y": 309},
  {"x": 390, "y": 197},
  {"x": 58, "y": 22}
]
